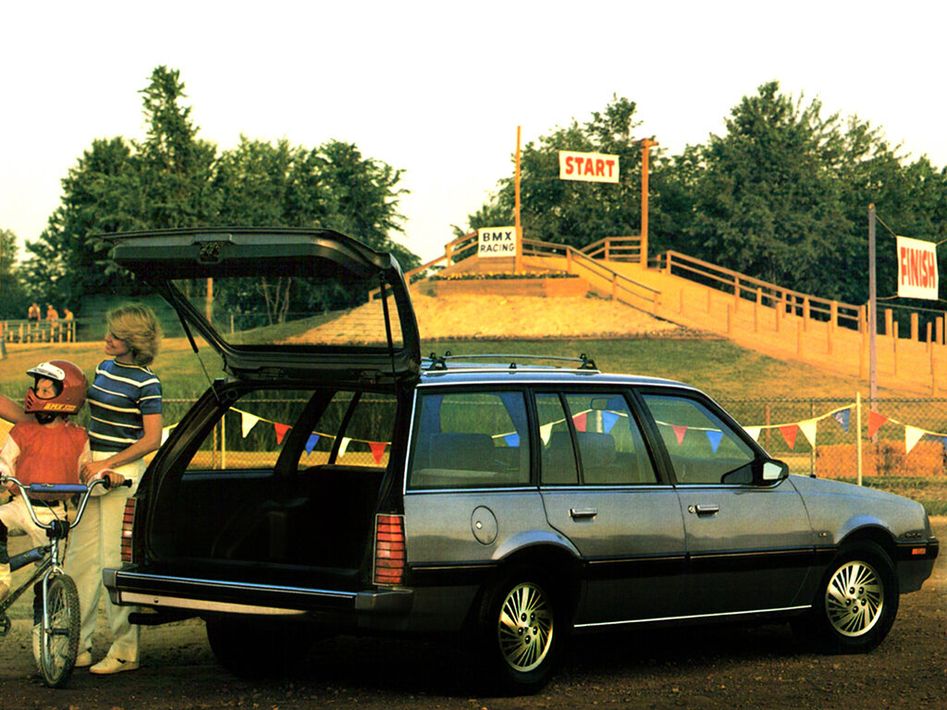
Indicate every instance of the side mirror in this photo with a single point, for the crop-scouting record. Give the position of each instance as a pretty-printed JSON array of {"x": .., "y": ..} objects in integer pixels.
[{"x": 775, "y": 471}]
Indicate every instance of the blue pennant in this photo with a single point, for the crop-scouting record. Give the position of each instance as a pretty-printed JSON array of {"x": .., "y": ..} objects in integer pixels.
[
  {"x": 512, "y": 440},
  {"x": 843, "y": 417},
  {"x": 714, "y": 438},
  {"x": 608, "y": 421},
  {"x": 311, "y": 442}
]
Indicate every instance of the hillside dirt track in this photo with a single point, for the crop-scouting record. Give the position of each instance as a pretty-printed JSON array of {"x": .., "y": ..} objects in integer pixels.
[{"x": 715, "y": 666}]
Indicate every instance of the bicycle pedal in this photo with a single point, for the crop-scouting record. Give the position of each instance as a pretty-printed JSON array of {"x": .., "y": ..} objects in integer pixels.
[{"x": 4, "y": 625}]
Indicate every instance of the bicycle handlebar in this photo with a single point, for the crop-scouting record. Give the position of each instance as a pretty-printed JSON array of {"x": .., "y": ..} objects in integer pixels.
[{"x": 81, "y": 489}]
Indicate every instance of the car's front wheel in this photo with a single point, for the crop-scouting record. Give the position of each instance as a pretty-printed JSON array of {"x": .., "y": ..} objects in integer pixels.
[
  {"x": 254, "y": 648},
  {"x": 857, "y": 600},
  {"x": 522, "y": 632}
]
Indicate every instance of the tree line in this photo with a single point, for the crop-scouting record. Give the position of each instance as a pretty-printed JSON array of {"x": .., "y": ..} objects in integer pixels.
[
  {"x": 173, "y": 178},
  {"x": 782, "y": 194}
]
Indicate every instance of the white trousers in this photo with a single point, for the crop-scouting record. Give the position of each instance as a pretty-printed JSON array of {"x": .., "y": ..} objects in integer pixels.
[{"x": 96, "y": 543}]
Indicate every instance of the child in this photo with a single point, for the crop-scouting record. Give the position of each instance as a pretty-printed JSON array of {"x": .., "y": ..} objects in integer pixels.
[{"x": 48, "y": 449}]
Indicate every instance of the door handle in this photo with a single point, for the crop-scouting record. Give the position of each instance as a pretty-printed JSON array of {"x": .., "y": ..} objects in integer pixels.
[
  {"x": 578, "y": 513},
  {"x": 705, "y": 509}
]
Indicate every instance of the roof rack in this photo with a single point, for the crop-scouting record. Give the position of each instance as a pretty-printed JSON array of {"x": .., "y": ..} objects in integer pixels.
[{"x": 439, "y": 362}]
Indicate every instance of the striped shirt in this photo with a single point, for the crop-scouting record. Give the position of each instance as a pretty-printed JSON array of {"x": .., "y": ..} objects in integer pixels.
[{"x": 118, "y": 398}]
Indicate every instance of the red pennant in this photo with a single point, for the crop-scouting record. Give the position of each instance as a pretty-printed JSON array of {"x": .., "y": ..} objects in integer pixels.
[
  {"x": 580, "y": 421},
  {"x": 789, "y": 432},
  {"x": 378, "y": 449},
  {"x": 280, "y": 430},
  {"x": 875, "y": 420},
  {"x": 679, "y": 432}
]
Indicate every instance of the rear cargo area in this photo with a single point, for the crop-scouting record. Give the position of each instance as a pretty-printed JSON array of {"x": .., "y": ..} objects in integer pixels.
[{"x": 312, "y": 528}]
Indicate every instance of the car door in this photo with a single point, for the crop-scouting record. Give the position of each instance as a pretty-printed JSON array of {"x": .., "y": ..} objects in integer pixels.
[
  {"x": 601, "y": 490},
  {"x": 749, "y": 541}
]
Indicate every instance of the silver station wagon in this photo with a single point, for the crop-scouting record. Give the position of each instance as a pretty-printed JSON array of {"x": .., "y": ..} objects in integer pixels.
[{"x": 354, "y": 487}]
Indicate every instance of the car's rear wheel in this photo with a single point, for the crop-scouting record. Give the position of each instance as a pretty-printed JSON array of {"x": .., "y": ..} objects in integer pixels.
[
  {"x": 254, "y": 648},
  {"x": 522, "y": 631},
  {"x": 857, "y": 600}
]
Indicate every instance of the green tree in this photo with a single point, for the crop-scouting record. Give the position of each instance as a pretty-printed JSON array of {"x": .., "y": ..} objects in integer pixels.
[
  {"x": 570, "y": 212},
  {"x": 12, "y": 295}
]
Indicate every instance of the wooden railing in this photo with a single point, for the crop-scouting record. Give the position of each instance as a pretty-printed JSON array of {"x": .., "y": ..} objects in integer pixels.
[
  {"x": 577, "y": 262},
  {"x": 34, "y": 331},
  {"x": 764, "y": 293},
  {"x": 615, "y": 249}
]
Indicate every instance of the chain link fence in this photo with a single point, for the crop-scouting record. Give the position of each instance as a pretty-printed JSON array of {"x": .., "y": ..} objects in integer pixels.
[{"x": 813, "y": 435}]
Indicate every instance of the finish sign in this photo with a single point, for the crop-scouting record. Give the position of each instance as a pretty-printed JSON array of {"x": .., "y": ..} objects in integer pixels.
[
  {"x": 917, "y": 268},
  {"x": 496, "y": 241},
  {"x": 588, "y": 167}
]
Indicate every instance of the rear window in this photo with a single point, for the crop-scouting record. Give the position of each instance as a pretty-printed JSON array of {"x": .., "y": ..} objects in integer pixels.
[
  {"x": 292, "y": 310},
  {"x": 470, "y": 440}
]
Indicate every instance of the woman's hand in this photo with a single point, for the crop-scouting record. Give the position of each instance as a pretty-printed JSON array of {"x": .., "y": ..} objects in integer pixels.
[{"x": 90, "y": 469}]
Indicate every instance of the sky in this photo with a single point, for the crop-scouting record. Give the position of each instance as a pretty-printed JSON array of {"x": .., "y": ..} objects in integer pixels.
[{"x": 437, "y": 89}]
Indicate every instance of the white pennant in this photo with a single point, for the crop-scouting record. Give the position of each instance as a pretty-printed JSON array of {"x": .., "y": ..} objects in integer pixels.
[
  {"x": 247, "y": 422},
  {"x": 166, "y": 431},
  {"x": 912, "y": 435},
  {"x": 343, "y": 446},
  {"x": 808, "y": 428},
  {"x": 753, "y": 431},
  {"x": 545, "y": 431}
]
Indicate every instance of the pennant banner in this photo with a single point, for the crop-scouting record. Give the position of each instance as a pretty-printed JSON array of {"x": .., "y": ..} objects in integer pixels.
[
  {"x": 789, "y": 432},
  {"x": 280, "y": 430},
  {"x": 808, "y": 429},
  {"x": 679, "y": 432},
  {"x": 608, "y": 421},
  {"x": 247, "y": 422},
  {"x": 378, "y": 450},
  {"x": 912, "y": 435},
  {"x": 580, "y": 421},
  {"x": 843, "y": 417},
  {"x": 545, "y": 431},
  {"x": 875, "y": 420},
  {"x": 344, "y": 446},
  {"x": 512, "y": 440},
  {"x": 714, "y": 438},
  {"x": 753, "y": 431},
  {"x": 311, "y": 442}
]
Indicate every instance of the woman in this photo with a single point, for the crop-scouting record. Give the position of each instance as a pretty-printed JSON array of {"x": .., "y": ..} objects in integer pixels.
[{"x": 124, "y": 426}]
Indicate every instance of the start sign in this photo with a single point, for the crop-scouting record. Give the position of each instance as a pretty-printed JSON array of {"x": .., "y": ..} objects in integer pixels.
[
  {"x": 588, "y": 167},
  {"x": 496, "y": 241},
  {"x": 917, "y": 268}
]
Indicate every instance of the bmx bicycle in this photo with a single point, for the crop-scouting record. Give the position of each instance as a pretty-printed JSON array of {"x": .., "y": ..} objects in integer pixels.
[{"x": 59, "y": 620}]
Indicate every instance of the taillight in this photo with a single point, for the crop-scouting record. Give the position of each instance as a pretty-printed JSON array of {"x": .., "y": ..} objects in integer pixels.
[
  {"x": 128, "y": 526},
  {"x": 389, "y": 549}
]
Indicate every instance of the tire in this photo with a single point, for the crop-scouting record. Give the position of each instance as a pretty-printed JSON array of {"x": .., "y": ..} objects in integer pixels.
[
  {"x": 522, "y": 631},
  {"x": 59, "y": 643},
  {"x": 257, "y": 648},
  {"x": 857, "y": 600}
]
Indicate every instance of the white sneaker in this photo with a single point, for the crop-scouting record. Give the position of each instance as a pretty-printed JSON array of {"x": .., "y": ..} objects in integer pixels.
[
  {"x": 83, "y": 660},
  {"x": 109, "y": 665}
]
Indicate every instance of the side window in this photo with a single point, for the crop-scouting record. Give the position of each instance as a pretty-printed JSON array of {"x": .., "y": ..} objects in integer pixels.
[
  {"x": 611, "y": 447},
  {"x": 366, "y": 439},
  {"x": 251, "y": 433},
  {"x": 470, "y": 440},
  {"x": 702, "y": 448}
]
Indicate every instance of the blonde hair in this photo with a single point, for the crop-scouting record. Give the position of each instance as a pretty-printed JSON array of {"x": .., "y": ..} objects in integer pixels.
[{"x": 139, "y": 328}]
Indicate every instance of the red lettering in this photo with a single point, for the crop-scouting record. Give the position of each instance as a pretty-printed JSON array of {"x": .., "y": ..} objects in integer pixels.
[
  {"x": 569, "y": 168},
  {"x": 912, "y": 263},
  {"x": 904, "y": 265},
  {"x": 599, "y": 167},
  {"x": 589, "y": 166},
  {"x": 610, "y": 164}
]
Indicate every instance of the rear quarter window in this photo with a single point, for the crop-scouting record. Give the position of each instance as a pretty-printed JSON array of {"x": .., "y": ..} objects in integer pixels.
[{"x": 470, "y": 440}]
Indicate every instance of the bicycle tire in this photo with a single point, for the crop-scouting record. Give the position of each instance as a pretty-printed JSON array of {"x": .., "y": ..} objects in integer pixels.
[{"x": 59, "y": 643}]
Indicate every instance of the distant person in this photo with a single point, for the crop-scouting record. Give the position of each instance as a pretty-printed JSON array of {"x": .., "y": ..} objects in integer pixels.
[
  {"x": 51, "y": 313},
  {"x": 68, "y": 318},
  {"x": 32, "y": 313}
]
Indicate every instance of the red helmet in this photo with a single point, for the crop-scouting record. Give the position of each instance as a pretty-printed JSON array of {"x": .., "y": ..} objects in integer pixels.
[{"x": 71, "y": 388}]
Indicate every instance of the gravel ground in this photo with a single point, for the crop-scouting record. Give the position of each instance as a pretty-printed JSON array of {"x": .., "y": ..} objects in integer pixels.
[{"x": 728, "y": 667}]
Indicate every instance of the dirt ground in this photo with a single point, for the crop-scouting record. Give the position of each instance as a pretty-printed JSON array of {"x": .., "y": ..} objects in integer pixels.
[{"x": 730, "y": 667}]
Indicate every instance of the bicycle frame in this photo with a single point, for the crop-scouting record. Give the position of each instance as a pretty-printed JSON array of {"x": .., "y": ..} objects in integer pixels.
[{"x": 49, "y": 565}]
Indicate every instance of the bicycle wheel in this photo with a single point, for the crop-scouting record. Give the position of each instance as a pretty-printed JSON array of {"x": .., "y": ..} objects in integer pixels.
[{"x": 59, "y": 640}]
